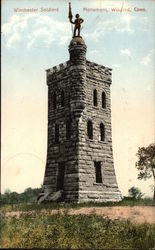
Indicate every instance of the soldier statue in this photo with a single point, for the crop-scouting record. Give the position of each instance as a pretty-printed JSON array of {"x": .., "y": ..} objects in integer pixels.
[{"x": 77, "y": 21}]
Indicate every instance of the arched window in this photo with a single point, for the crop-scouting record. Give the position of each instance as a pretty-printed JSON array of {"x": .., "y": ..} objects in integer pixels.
[
  {"x": 90, "y": 129},
  {"x": 68, "y": 130},
  {"x": 95, "y": 97},
  {"x": 62, "y": 98},
  {"x": 103, "y": 100},
  {"x": 102, "y": 132},
  {"x": 54, "y": 100},
  {"x": 56, "y": 133}
]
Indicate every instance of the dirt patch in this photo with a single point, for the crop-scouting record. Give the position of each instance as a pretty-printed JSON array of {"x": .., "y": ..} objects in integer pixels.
[{"x": 136, "y": 214}]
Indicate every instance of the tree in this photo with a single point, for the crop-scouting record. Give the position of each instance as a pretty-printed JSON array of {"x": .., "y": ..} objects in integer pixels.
[
  {"x": 146, "y": 163},
  {"x": 135, "y": 193},
  {"x": 7, "y": 191},
  {"x": 6, "y": 197}
]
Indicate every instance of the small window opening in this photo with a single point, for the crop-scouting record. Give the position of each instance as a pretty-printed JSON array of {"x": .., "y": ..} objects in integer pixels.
[
  {"x": 97, "y": 165},
  {"x": 103, "y": 100},
  {"x": 56, "y": 133},
  {"x": 68, "y": 130},
  {"x": 90, "y": 129},
  {"x": 54, "y": 100},
  {"x": 95, "y": 97},
  {"x": 102, "y": 132},
  {"x": 62, "y": 98}
]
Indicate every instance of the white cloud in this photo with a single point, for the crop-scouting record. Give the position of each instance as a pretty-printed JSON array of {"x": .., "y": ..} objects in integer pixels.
[
  {"x": 35, "y": 30},
  {"x": 126, "y": 21},
  {"x": 147, "y": 59},
  {"x": 120, "y": 24},
  {"x": 126, "y": 52},
  {"x": 117, "y": 66},
  {"x": 13, "y": 39},
  {"x": 92, "y": 52},
  {"x": 7, "y": 28}
]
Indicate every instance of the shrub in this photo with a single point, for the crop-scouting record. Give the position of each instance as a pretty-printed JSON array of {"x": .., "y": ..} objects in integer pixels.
[{"x": 135, "y": 193}]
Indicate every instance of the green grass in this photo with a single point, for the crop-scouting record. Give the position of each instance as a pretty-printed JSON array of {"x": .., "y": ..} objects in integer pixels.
[
  {"x": 74, "y": 232},
  {"x": 36, "y": 207}
]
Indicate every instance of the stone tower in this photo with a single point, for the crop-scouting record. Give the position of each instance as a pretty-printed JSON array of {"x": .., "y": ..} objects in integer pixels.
[{"x": 79, "y": 164}]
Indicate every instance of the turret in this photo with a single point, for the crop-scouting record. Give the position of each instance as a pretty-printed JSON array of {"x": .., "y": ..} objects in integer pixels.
[{"x": 77, "y": 71}]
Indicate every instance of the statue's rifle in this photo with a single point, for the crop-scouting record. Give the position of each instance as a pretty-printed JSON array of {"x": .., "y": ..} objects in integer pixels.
[{"x": 70, "y": 16}]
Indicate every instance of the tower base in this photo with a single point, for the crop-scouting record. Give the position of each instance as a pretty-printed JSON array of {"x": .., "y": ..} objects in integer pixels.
[{"x": 80, "y": 197}]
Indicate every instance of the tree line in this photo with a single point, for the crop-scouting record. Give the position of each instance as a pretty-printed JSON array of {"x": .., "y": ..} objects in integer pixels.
[{"x": 28, "y": 196}]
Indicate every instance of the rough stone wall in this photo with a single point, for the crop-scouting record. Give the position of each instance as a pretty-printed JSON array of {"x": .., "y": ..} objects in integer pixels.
[
  {"x": 65, "y": 150},
  {"x": 78, "y": 78},
  {"x": 97, "y": 77}
]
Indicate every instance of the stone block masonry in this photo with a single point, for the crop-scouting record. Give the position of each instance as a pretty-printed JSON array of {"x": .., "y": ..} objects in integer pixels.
[{"x": 79, "y": 152}]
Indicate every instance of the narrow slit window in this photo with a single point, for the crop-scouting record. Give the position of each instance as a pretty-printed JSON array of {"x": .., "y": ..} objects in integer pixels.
[
  {"x": 103, "y": 100},
  {"x": 56, "y": 133},
  {"x": 102, "y": 132},
  {"x": 98, "y": 173},
  {"x": 90, "y": 129},
  {"x": 95, "y": 97},
  {"x": 54, "y": 100},
  {"x": 68, "y": 130},
  {"x": 62, "y": 98}
]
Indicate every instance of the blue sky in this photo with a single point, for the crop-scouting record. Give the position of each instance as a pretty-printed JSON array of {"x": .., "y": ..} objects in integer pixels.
[{"x": 34, "y": 42}]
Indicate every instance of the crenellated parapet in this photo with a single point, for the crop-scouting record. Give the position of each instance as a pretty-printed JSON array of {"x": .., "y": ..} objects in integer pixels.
[
  {"x": 99, "y": 72},
  {"x": 57, "y": 68}
]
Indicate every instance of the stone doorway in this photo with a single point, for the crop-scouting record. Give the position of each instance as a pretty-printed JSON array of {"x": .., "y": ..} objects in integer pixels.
[{"x": 60, "y": 176}]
